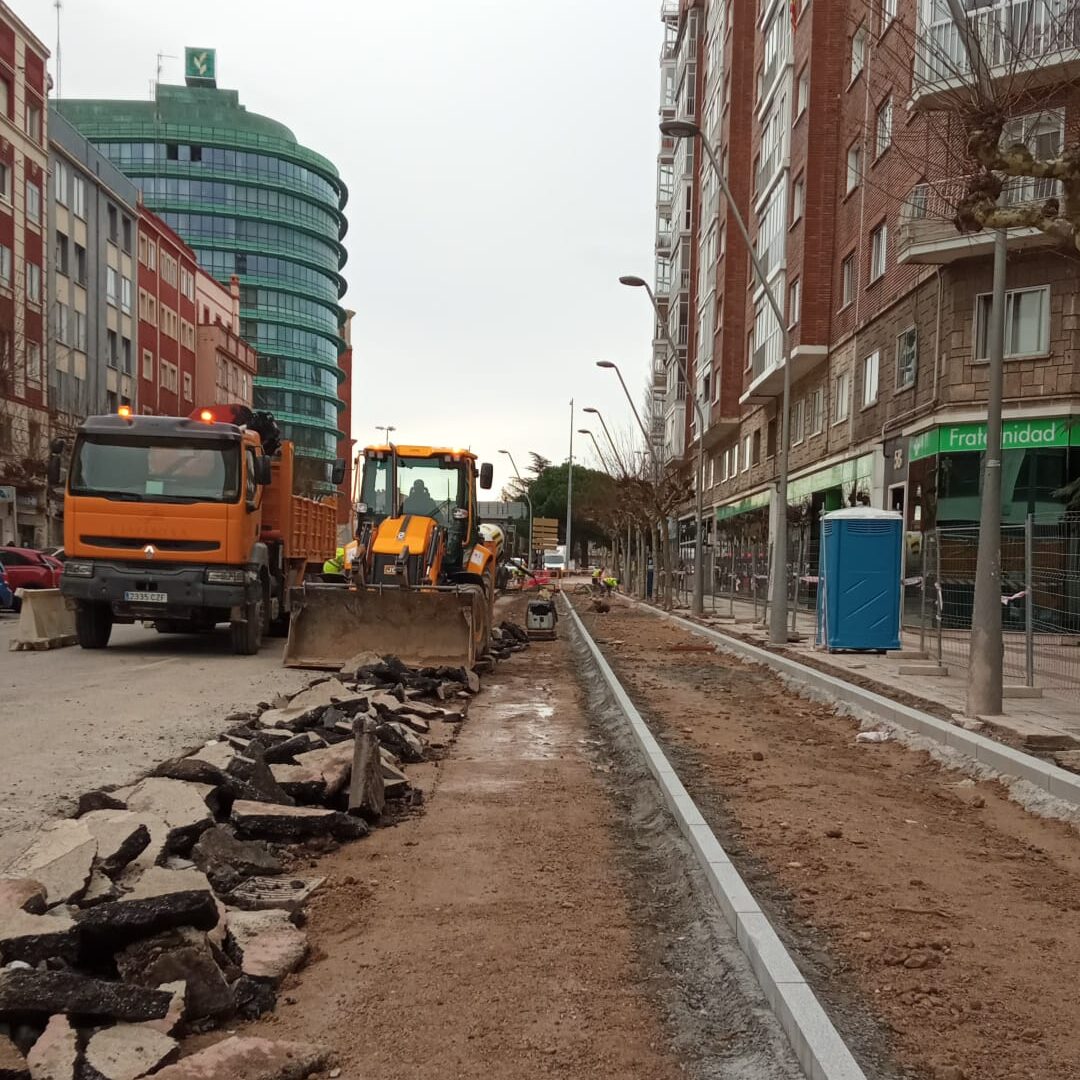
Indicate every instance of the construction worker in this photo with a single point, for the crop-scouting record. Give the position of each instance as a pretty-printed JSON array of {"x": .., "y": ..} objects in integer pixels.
[
  {"x": 335, "y": 564},
  {"x": 610, "y": 584}
]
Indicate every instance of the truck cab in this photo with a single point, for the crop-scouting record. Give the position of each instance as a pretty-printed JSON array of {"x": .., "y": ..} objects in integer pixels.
[{"x": 184, "y": 522}]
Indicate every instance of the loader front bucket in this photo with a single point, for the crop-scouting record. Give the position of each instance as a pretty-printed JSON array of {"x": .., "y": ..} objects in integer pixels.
[{"x": 423, "y": 628}]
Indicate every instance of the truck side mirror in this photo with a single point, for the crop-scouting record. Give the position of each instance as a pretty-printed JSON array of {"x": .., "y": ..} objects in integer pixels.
[
  {"x": 486, "y": 475},
  {"x": 263, "y": 471},
  {"x": 337, "y": 472}
]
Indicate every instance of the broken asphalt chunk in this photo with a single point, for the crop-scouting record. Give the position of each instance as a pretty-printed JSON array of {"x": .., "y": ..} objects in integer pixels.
[
  {"x": 33, "y": 993},
  {"x": 226, "y": 860},
  {"x": 61, "y": 857},
  {"x": 400, "y": 741},
  {"x": 265, "y": 943},
  {"x": 182, "y": 806},
  {"x": 35, "y": 938},
  {"x": 367, "y": 794},
  {"x": 128, "y": 1051},
  {"x": 245, "y": 1057},
  {"x": 21, "y": 894},
  {"x": 56, "y": 1052},
  {"x": 13, "y": 1065},
  {"x": 266, "y": 821}
]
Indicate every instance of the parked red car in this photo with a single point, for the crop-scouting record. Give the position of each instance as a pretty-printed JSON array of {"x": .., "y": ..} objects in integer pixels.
[{"x": 29, "y": 569}]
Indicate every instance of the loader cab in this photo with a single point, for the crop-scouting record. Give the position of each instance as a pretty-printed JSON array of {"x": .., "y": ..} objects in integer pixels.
[{"x": 423, "y": 481}]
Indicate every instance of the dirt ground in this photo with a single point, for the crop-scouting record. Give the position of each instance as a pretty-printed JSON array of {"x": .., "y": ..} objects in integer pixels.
[
  {"x": 946, "y": 909},
  {"x": 489, "y": 935}
]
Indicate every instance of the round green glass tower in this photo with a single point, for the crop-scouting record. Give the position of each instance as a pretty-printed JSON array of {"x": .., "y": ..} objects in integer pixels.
[{"x": 251, "y": 201}]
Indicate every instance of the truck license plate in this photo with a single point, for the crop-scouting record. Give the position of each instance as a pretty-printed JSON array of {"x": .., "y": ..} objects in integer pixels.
[{"x": 140, "y": 597}]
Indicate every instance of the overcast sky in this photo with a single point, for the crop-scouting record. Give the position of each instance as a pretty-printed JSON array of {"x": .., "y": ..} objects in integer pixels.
[{"x": 500, "y": 158}]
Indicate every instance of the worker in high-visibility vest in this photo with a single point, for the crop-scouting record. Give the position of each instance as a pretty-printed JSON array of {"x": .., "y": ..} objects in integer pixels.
[{"x": 335, "y": 564}]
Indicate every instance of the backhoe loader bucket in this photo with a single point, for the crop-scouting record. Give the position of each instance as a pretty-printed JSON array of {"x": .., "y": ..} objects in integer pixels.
[{"x": 422, "y": 627}]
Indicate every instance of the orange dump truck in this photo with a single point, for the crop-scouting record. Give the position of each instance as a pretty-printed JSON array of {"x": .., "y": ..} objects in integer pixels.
[{"x": 187, "y": 522}]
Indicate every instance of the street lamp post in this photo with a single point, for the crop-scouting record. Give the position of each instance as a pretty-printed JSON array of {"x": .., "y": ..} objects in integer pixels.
[
  {"x": 637, "y": 416},
  {"x": 778, "y": 612},
  {"x": 697, "y": 605},
  {"x": 611, "y": 441},
  {"x": 385, "y": 429},
  {"x": 525, "y": 492},
  {"x": 599, "y": 452}
]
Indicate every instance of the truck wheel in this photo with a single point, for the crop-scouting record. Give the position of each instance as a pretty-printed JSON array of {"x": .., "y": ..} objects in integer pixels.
[
  {"x": 93, "y": 625},
  {"x": 246, "y": 636}
]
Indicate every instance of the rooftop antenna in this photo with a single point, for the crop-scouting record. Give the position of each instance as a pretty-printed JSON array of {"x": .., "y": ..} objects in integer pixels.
[
  {"x": 59, "y": 5},
  {"x": 161, "y": 56}
]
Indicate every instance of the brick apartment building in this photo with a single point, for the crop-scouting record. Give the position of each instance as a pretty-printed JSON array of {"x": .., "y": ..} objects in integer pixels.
[
  {"x": 23, "y": 286},
  {"x": 823, "y": 117},
  {"x": 190, "y": 349}
]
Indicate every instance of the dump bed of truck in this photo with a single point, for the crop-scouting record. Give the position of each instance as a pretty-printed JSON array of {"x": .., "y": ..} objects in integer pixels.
[{"x": 306, "y": 527}]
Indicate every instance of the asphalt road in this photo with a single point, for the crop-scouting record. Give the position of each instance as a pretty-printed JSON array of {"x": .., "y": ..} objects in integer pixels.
[{"x": 72, "y": 720}]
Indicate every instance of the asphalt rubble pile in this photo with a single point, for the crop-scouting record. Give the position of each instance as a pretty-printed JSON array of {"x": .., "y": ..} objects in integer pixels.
[{"x": 169, "y": 907}]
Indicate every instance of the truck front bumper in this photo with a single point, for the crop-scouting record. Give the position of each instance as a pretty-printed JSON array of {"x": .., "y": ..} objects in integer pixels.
[{"x": 178, "y": 592}]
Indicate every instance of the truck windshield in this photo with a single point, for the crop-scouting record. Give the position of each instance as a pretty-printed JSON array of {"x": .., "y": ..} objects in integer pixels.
[{"x": 143, "y": 470}]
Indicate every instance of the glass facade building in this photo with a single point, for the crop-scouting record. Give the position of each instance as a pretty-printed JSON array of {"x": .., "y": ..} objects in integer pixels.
[{"x": 253, "y": 202}]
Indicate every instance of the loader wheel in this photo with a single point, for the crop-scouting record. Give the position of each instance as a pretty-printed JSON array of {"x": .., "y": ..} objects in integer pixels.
[
  {"x": 246, "y": 637},
  {"x": 93, "y": 625}
]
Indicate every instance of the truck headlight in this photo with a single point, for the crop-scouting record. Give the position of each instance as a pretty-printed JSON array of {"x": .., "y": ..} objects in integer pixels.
[
  {"x": 228, "y": 575},
  {"x": 78, "y": 569}
]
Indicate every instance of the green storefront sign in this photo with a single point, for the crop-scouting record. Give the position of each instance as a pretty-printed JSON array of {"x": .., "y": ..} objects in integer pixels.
[
  {"x": 751, "y": 502},
  {"x": 1015, "y": 435}
]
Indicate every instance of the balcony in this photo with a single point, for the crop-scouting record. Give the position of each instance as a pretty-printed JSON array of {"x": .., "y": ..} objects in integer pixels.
[
  {"x": 928, "y": 236},
  {"x": 767, "y": 380},
  {"x": 1034, "y": 41}
]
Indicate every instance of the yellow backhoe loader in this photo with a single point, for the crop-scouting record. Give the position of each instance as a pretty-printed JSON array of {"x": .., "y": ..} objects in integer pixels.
[{"x": 418, "y": 581}]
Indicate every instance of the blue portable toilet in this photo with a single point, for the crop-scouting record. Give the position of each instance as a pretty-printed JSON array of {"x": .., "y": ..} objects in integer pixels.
[{"x": 859, "y": 585}]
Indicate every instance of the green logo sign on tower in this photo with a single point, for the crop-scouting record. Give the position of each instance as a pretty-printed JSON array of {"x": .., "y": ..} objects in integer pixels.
[{"x": 200, "y": 67}]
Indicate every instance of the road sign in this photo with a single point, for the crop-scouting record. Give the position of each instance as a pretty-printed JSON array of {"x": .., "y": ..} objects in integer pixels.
[{"x": 546, "y": 533}]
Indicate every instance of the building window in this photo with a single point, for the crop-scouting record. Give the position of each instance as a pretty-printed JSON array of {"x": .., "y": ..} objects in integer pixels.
[
  {"x": 62, "y": 324},
  {"x": 110, "y": 286},
  {"x": 888, "y": 13},
  {"x": 33, "y": 283},
  {"x": 797, "y": 422},
  {"x": 798, "y": 199},
  {"x": 871, "y": 367},
  {"x": 802, "y": 92},
  {"x": 1027, "y": 323},
  {"x": 879, "y": 243},
  {"x": 841, "y": 397},
  {"x": 5, "y": 96},
  {"x": 125, "y": 234},
  {"x": 33, "y": 365},
  {"x": 847, "y": 281},
  {"x": 125, "y": 355},
  {"x": 770, "y": 439},
  {"x": 794, "y": 301},
  {"x": 148, "y": 365},
  {"x": 113, "y": 345},
  {"x": 817, "y": 411},
  {"x": 5, "y": 265},
  {"x": 5, "y": 182},
  {"x": 114, "y": 223},
  {"x": 187, "y": 387},
  {"x": 60, "y": 183},
  {"x": 33, "y": 202},
  {"x": 748, "y": 442},
  {"x": 78, "y": 197},
  {"x": 883, "y": 127},
  {"x": 858, "y": 52},
  {"x": 854, "y": 166},
  {"x": 125, "y": 294},
  {"x": 757, "y": 447},
  {"x": 33, "y": 121},
  {"x": 62, "y": 254},
  {"x": 80, "y": 264},
  {"x": 907, "y": 358},
  {"x": 80, "y": 331}
]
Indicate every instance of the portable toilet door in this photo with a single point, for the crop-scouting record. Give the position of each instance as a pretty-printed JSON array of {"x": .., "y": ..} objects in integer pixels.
[{"x": 859, "y": 595}]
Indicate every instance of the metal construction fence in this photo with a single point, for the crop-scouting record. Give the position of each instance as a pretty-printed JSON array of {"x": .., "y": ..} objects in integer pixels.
[{"x": 1040, "y": 590}]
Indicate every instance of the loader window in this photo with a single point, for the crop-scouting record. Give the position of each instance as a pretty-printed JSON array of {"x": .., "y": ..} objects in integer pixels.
[
  {"x": 142, "y": 470},
  {"x": 429, "y": 488},
  {"x": 376, "y": 484}
]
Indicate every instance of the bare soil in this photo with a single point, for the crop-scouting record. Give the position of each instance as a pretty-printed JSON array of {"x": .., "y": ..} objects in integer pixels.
[
  {"x": 490, "y": 935},
  {"x": 946, "y": 910}
]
